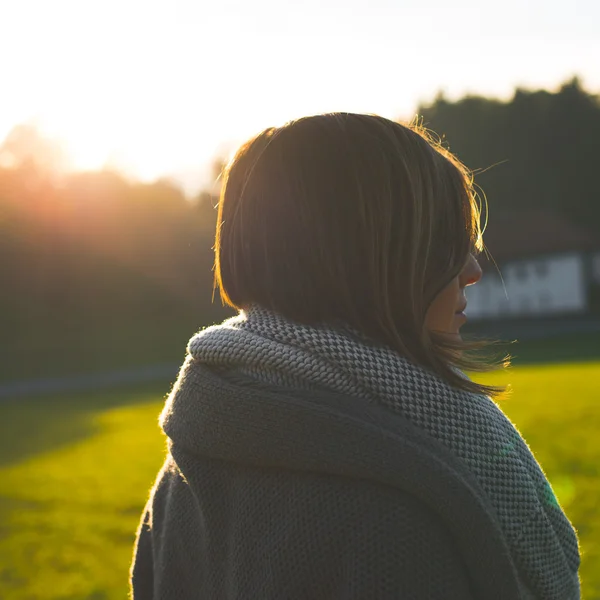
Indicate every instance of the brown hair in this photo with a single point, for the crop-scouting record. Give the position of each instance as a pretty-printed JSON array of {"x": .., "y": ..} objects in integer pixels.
[{"x": 353, "y": 218}]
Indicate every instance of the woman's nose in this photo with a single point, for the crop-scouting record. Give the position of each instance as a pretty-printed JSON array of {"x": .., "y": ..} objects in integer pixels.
[{"x": 471, "y": 273}]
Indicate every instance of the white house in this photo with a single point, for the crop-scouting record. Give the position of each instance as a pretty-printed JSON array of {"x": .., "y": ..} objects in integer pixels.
[
  {"x": 541, "y": 286},
  {"x": 547, "y": 267}
]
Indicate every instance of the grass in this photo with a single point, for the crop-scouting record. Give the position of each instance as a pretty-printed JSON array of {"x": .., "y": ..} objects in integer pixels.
[
  {"x": 74, "y": 476},
  {"x": 561, "y": 348},
  {"x": 555, "y": 406},
  {"x": 75, "y": 472}
]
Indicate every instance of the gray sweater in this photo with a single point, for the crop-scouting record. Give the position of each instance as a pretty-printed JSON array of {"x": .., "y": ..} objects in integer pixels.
[{"x": 275, "y": 428}]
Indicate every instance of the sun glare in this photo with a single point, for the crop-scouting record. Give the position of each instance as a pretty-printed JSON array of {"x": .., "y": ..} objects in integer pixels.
[
  {"x": 155, "y": 88},
  {"x": 108, "y": 90}
]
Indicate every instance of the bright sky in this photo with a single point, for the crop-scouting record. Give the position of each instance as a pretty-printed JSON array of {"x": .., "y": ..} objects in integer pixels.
[{"x": 159, "y": 87}]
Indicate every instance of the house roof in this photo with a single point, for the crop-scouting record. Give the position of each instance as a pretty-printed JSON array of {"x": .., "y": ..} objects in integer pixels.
[{"x": 529, "y": 233}]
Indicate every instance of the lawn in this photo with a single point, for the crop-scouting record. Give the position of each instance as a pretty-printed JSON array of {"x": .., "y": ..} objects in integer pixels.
[
  {"x": 75, "y": 472},
  {"x": 74, "y": 475},
  {"x": 556, "y": 408}
]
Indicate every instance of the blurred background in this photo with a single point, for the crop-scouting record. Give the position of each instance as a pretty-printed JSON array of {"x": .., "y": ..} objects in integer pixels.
[{"x": 115, "y": 120}]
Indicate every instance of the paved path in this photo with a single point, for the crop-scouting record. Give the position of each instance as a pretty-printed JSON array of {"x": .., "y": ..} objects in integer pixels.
[
  {"x": 96, "y": 381},
  {"x": 536, "y": 329}
]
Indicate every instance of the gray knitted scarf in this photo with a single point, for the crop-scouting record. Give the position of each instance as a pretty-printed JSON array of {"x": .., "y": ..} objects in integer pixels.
[{"x": 274, "y": 350}]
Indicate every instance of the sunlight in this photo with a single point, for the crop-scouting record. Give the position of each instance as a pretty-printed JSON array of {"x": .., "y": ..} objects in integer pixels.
[
  {"x": 107, "y": 100},
  {"x": 156, "y": 88},
  {"x": 88, "y": 143}
]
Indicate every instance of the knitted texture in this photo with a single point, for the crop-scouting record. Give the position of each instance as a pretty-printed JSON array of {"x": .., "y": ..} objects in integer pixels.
[
  {"x": 272, "y": 493},
  {"x": 274, "y": 350},
  {"x": 261, "y": 535}
]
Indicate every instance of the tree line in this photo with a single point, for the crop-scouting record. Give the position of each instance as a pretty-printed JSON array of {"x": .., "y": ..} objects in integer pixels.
[
  {"x": 100, "y": 272},
  {"x": 539, "y": 150}
]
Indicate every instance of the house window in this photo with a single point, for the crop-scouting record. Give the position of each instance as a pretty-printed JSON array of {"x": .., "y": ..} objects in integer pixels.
[
  {"x": 521, "y": 272},
  {"x": 596, "y": 268},
  {"x": 541, "y": 268}
]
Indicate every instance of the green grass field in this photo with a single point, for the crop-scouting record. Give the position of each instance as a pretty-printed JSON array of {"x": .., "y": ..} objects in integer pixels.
[{"x": 75, "y": 472}]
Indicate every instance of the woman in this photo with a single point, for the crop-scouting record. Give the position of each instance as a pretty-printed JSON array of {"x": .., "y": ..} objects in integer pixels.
[{"x": 326, "y": 443}]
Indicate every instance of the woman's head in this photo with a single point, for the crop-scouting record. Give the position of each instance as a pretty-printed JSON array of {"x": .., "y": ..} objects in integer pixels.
[{"x": 353, "y": 218}]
